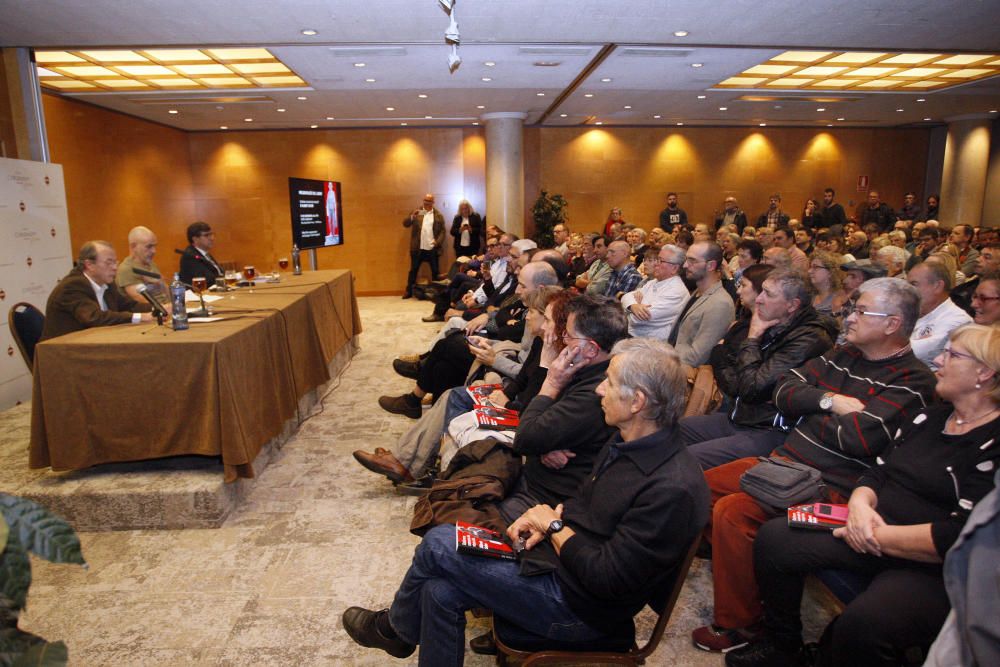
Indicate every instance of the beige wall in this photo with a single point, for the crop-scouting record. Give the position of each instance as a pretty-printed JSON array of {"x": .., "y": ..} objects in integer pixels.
[
  {"x": 121, "y": 171},
  {"x": 634, "y": 168}
]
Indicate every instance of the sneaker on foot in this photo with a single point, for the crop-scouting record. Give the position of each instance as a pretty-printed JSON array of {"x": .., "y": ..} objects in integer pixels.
[
  {"x": 721, "y": 640},
  {"x": 765, "y": 652}
]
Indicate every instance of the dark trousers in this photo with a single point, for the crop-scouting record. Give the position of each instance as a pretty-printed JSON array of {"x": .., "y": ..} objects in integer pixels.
[
  {"x": 903, "y": 607},
  {"x": 418, "y": 257},
  {"x": 714, "y": 440},
  {"x": 447, "y": 365}
]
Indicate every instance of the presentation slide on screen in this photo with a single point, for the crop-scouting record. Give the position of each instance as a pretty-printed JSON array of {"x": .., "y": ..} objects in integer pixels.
[{"x": 317, "y": 214}]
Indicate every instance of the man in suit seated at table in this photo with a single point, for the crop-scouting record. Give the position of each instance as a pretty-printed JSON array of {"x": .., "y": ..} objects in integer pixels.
[
  {"x": 196, "y": 261},
  {"x": 88, "y": 296}
]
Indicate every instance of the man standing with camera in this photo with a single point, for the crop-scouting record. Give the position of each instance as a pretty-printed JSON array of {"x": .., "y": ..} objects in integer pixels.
[{"x": 426, "y": 240}]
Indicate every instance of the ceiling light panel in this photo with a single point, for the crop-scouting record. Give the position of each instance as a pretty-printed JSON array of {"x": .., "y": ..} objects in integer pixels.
[
  {"x": 173, "y": 69},
  {"x": 861, "y": 70}
]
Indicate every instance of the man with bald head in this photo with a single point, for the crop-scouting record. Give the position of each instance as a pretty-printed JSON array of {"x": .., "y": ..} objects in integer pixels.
[
  {"x": 624, "y": 276},
  {"x": 88, "y": 296},
  {"x": 142, "y": 249},
  {"x": 426, "y": 226}
]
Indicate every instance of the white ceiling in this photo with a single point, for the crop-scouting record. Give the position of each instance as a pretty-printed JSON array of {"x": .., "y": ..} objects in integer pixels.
[{"x": 726, "y": 36}]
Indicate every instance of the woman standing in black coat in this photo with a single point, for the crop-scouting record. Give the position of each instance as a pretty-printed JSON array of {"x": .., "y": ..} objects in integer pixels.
[{"x": 467, "y": 228}]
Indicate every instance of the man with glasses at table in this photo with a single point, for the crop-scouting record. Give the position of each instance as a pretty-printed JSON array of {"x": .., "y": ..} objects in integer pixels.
[
  {"x": 846, "y": 406},
  {"x": 196, "y": 260},
  {"x": 653, "y": 308}
]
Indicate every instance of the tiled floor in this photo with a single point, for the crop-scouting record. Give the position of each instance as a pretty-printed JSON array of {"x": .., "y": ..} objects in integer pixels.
[{"x": 317, "y": 534}]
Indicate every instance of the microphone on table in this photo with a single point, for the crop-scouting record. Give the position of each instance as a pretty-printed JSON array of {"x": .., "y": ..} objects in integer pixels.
[
  {"x": 158, "y": 308},
  {"x": 146, "y": 274},
  {"x": 202, "y": 312}
]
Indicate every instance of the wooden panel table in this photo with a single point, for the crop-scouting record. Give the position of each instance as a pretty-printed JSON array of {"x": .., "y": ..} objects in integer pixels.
[{"x": 224, "y": 388}]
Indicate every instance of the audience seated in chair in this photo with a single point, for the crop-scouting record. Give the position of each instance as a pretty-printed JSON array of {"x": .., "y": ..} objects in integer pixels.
[
  {"x": 709, "y": 310},
  {"x": 653, "y": 307},
  {"x": 905, "y": 512},
  {"x": 784, "y": 332},
  {"x": 846, "y": 405},
  {"x": 594, "y": 561}
]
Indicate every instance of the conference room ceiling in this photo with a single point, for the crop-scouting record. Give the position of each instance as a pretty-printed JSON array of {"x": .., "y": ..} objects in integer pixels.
[{"x": 562, "y": 62}]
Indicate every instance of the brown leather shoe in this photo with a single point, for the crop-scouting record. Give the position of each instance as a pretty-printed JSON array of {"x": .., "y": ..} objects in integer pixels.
[
  {"x": 407, "y": 404},
  {"x": 384, "y": 464}
]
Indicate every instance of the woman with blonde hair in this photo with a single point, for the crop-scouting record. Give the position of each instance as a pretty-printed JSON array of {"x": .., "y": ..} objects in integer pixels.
[{"x": 828, "y": 281}]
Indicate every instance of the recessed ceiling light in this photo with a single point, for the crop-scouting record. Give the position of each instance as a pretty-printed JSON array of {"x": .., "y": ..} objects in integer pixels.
[
  {"x": 921, "y": 99},
  {"x": 390, "y": 108},
  {"x": 172, "y": 111},
  {"x": 540, "y": 94},
  {"x": 599, "y": 123},
  {"x": 993, "y": 110},
  {"x": 223, "y": 127},
  {"x": 309, "y": 32},
  {"x": 359, "y": 64},
  {"x": 588, "y": 94},
  {"x": 821, "y": 109},
  {"x": 723, "y": 108},
  {"x": 314, "y": 126},
  {"x": 696, "y": 64},
  {"x": 606, "y": 79},
  {"x": 475, "y": 122},
  {"x": 487, "y": 79},
  {"x": 428, "y": 117},
  {"x": 422, "y": 96},
  {"x": 628, "y": 106},
  {"x": 657, "y": 117},
  {"x": 302, "y": 98},
  {"x": 701, "y": 97},
  {"x": 281, "y": 111},
  {"x": 926, "y": 118},
  {"x": 402, "y": 123},
  {"x": 369, "y": 80},
  {"x": 898, "y": 109},
  {"x": 680, "y": 33},
  {"x": 777, "y": 106},
  {"x": 248, "y": 120},
  {"x": 763, "y": 124},
  {"x": 840, "y": 119},
  {"x": 679, "y": 124},
  {"x": 563, "y": 115},
  {"x": 480, "y": 106},
  {"x": 489, "y": 63},
  {"x": 829, "y": 124},
  {"x": 330, "y": 118}
]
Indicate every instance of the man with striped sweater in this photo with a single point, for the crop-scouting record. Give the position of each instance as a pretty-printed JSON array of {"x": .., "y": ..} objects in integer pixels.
[{"x": 844, "y": 408}]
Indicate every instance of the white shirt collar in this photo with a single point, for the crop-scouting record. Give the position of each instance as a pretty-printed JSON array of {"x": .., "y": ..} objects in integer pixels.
[{"x": 99, "y": 291}]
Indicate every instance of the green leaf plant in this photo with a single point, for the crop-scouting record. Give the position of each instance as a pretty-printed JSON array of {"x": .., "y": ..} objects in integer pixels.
[
  {"x": 548, "y": 211},
  {"x": 27, "y": 527}
]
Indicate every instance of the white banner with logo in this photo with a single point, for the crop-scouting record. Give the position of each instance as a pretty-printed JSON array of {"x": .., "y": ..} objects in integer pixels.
[{"x": 35, "y": 254}]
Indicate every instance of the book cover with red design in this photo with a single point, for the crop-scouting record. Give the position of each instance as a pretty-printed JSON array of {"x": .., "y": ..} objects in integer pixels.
[
  {"x": 481, "y": 393},
  {"x": 817, "y": 516},
  {"x": 479, "y": 541},
  {"x": 497, "y": 418}
]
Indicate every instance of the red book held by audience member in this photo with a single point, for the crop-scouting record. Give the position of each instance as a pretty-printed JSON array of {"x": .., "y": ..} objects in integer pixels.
[
  {"x": 817, "y": 516},
  {"x": 480, "y": 541}
]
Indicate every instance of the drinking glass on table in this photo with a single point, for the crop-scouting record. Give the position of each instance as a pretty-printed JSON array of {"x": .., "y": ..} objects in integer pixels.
[
  {"x": 283, "y": 263},
  {"x": 199, "y": 284},
  {"x": 249, "y": 272},
  {"x": 231, "y": 278}
]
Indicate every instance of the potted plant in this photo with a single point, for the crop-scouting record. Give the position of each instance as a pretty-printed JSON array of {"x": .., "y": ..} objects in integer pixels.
[
  {"x": 26, "y": 526},
  {"x": 548, "y": 211}
]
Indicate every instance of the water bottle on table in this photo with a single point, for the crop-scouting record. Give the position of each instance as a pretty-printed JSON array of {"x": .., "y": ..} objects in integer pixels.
[{"x": 179, "y": 315}]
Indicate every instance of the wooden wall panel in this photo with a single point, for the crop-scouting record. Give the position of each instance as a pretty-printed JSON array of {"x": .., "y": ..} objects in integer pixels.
[
  {"x": 121, "y": 172},
  {"x": 597, "y": 168}
]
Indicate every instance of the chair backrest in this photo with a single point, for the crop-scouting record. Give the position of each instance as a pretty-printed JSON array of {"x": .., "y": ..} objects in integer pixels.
[
  {"x": 26, "y": 322},
  {"x": 668, "y": 604}
]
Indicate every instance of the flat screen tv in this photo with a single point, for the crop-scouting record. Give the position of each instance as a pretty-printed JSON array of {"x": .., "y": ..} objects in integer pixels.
[{"x": 317, "y": 214}]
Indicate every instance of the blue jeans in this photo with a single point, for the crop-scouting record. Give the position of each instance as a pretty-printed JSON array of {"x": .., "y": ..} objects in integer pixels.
[
  {"x": 441, "y": 584},
  {"x": 459, "y": 402}
]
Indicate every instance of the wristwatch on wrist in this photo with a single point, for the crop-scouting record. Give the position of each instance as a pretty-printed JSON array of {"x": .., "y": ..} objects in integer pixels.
[
  {"x": 826, "y": 402},
  {"x": 554, "y": 527}
]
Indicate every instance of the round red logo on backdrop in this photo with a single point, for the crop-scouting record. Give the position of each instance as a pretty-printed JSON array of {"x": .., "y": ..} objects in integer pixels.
[
  {"x": 10, "y": 351},
  {"x": 29, "y": 261},
  {"x": 3, "y": 295},
  {"x": 46, "y": 180},
  {"x": 53, "y": 232},
  {"x": 22, "y": 207}
]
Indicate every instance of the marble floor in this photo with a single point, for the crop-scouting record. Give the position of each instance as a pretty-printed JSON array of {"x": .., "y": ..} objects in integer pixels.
[{"x": 317, "y": 534}]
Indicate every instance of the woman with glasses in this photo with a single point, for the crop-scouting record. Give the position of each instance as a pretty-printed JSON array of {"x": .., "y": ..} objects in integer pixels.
[
  {"x": 903, "y": 516},
  {"x": 986, "y": 299},
  {"x": 828, "y": 281}
]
